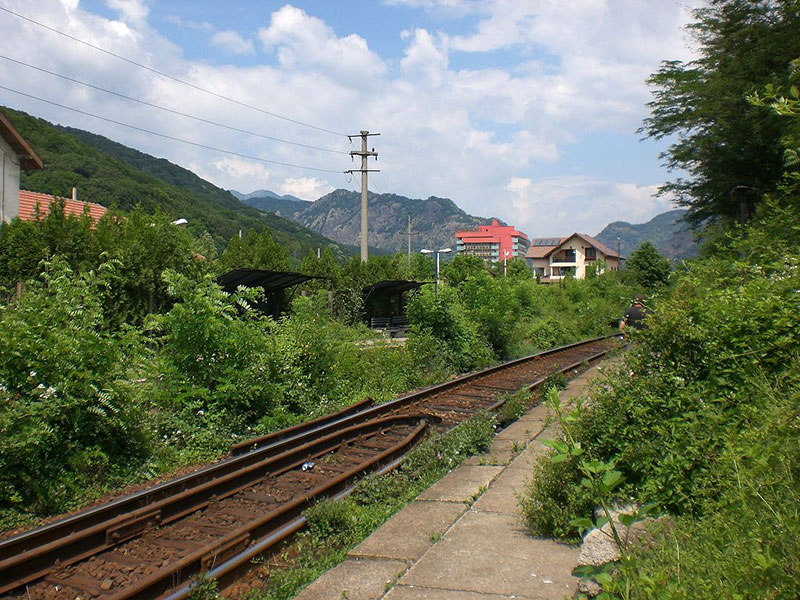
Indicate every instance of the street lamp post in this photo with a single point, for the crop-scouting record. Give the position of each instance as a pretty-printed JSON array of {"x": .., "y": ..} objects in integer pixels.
[{"x": 437, "y": 253}]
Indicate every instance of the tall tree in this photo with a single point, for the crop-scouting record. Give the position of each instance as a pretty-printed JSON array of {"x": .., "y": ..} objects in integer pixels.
[
  {"x": 729, "y": 147},
  {"x": 646, "y": 267},
  {"x": 255, "y": 251}
]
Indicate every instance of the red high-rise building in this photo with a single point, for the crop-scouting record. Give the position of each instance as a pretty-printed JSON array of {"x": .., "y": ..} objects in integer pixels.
[{"x": 493, "y": 242}]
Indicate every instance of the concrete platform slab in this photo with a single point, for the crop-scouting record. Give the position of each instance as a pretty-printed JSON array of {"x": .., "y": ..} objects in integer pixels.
[
  {"x": 490, "y": 553},
  {"x": 355, "y": 580},
  {"x": 462, "y": 484},
  {"x": 520, "y": 431},
  {"x": 409, "y": 533},
  {"x": 526, "y": 459},
  {"x": 501, "y": 497},
  {"x": 537, "y": 413},
  {"x": 501, "y": 452},
  {"x": 411, "y": 592}
]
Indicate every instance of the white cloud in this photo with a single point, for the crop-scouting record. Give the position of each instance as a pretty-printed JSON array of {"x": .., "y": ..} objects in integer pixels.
[
  {"x": 424, "y": 57},
  {"x": 560, "y": 206},
  {"x": 131, "y": 11},
  {"x": 240, "y": 168},
  {"x": 304, "y": 42},
  {"x": 306, "y": 188},
  {"x": 177, "y": 20},
  {"x": 231, "y": 42}
]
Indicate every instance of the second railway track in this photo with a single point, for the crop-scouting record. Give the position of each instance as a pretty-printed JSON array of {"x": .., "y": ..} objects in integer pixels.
[{"x": 151, "y": 544}]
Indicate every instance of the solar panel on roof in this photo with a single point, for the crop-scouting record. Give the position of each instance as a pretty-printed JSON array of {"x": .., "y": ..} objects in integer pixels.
[{"x": 546, "y": 241}]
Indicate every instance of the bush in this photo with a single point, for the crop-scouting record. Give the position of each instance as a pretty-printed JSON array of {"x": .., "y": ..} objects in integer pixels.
[{"x": 66, "y": 413}]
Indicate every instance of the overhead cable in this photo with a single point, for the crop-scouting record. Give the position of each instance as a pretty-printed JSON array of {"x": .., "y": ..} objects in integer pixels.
[
  {"x": 169, "y": 137},
  {"x": 172, "y": 77},
  {"x": 169, "y": 110}
]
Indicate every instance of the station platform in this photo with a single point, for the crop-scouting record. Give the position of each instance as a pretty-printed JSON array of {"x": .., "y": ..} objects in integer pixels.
[{"x": 464, "y": 537}]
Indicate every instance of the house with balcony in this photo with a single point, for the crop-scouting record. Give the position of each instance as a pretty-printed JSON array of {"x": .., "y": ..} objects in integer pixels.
[
  {"x": 493, "y": 243},
  {"x": 553, "y": 259}
]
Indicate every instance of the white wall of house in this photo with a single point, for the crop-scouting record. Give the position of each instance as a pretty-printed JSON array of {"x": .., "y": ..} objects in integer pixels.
[{"x": 9, "y": 182}]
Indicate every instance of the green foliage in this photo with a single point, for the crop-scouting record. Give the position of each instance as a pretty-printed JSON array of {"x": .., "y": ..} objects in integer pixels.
[
  {"x": 66, "y": 415},
  {"x": 463, "y": 267},
  {"x": 254, "y": 251},
  {"x": 23, "y": 245},
  {"x": 444, "y": 318},
  {"x": 701, "y": 419},
  {"x": 646, "y": 267},
  {"x": 749, "y": 543},
  {"x": 723, "y": 142}
]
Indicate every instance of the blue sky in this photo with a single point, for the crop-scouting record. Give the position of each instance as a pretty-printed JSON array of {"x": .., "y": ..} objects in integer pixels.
[{"x": 525, "y": 110}]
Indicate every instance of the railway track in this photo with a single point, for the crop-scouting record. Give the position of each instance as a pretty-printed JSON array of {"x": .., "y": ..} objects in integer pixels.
[{"x": 151, "y": 544}]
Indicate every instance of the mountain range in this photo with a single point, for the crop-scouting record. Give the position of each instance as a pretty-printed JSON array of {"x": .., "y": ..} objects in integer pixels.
[
  {"x": 434, "y": 221},
  {"x": 668, "y": 232}
]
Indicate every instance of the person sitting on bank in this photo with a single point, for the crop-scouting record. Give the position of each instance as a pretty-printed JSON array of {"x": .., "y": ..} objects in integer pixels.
[{"x": 635, "y": 315}]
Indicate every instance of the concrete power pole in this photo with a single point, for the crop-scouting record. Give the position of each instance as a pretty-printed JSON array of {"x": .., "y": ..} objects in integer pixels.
[
  {"x": 364, "y": 154},
  {"x": 409, "y": 238}
]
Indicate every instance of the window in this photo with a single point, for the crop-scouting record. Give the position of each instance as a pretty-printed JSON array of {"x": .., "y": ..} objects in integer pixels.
[{"x": 590, "y": 253}]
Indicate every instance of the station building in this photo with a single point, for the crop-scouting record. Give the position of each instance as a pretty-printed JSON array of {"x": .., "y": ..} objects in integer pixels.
[
  {"x": 493, "y": 243},
  {"x": 553, "y": 259}
]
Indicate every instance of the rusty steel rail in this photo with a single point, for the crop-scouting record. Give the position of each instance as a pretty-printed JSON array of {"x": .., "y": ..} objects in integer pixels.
[
  {"x": 37, "y": 561},
  {"x": 417, "y": 395},
  {"x": 262, "y": 531},
  {"x": 31, "y": 554}
]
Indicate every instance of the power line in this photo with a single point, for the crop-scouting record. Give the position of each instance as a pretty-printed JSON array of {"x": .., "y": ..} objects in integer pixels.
[
  {"x": 169, "y": 110},
  {"x": 169, "y": 137},
  {"x": 173, "y": 78}
]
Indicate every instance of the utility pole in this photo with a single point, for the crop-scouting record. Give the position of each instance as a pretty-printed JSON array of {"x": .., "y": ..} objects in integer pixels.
[
  {"x": 409, "y": 238},
  {"x": 364, "y": 154},
  {"x": 409, "y": 234}
]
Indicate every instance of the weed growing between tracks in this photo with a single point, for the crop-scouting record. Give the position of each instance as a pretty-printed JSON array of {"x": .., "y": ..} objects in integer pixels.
[{"x": 334, "y": 527}]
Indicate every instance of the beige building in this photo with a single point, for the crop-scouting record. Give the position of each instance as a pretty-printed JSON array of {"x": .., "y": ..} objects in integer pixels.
[
  {"x": 553, "y": 259},
  {"x": 16, "y": 155}
]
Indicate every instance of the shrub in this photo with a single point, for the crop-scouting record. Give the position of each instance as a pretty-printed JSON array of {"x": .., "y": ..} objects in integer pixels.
[{"x": 66, "y": 413}]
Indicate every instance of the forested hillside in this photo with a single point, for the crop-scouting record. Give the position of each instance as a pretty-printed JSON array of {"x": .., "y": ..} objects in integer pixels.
[{"x": 114, "y": 175}]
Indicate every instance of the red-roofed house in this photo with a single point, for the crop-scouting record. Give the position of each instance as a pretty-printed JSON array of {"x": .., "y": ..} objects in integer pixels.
[
  {"x": 16, "y": 155},
  {"x": 493, "y": 242},
  {"x": 29, "y": 202},
  {"x": 552, "y": 259}
]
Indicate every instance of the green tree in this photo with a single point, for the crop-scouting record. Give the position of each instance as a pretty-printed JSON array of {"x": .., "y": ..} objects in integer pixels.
[
  {"x": 647, "y": 267},
  {"x": 145, "y": 245},
  {"x": 255, "y": 251},
  {"x": 325, "y": 266},
  {"x": 729, "y": 148},
  {"x": 462, "y": 267},
  {"x": 23, "y": 244},
  {"x": 66, "y": 411}
]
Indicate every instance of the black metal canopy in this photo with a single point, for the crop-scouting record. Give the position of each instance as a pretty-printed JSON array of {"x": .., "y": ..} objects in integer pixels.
[
  {"x": 271, "y": 281},
  {"x": 392, "y": 286}
]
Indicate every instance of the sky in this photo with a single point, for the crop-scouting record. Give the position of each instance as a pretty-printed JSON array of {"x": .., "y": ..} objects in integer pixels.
[{"x": 524, "y": 110}]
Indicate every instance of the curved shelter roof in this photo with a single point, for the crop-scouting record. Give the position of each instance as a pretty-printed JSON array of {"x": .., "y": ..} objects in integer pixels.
[
  {"x": 271, "y": 281},
  {"x": 392, "y": 286}
]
